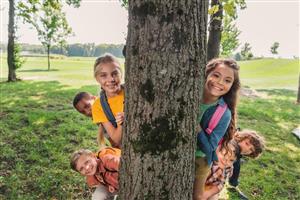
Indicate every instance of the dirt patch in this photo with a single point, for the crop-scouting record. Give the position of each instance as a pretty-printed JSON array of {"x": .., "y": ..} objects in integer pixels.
[{"x": 250, "y": 93}]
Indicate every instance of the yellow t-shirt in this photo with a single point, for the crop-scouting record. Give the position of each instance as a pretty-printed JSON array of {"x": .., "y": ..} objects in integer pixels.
[{"x": 116, "y": 105}]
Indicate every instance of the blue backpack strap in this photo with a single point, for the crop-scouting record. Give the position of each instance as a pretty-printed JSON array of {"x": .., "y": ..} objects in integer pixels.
[{"x": 106, "y": 109}]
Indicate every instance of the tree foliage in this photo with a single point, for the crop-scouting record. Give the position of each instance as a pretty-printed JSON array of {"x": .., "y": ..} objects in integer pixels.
[
  {"x": 274, "y": 48},
  {"x": 223, "y": 11},
  {"x": 229, "y": 39},
  {"x": 246, "y": 52},
  {"x": 48, "y": 19}
]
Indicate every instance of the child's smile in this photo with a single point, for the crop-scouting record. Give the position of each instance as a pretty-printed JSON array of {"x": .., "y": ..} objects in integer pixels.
[
  {"x": 219, "y": 81},
  {"x": 109, "y": 78},
  {"x": 87, "y": 165}
]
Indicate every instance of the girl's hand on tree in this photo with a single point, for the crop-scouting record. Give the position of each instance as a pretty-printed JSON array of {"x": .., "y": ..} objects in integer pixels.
[{"x": 120, "y": 118}]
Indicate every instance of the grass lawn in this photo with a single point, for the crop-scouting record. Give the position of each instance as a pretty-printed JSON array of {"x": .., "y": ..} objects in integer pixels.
[
  {"x": 270, "y": 73},
  {"x": 78, "y": 71},
  {"x": 39, "y": 129},
  {"x": 71, "y": 71}
]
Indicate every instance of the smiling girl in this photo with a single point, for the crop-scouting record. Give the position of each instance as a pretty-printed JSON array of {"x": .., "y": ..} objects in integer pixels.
[
  {"x": 221, "y": 89},
  {"x": 108, "y": 74}
]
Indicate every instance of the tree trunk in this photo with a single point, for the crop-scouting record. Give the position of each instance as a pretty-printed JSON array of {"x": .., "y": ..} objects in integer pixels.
[
  {"x": 11, "y": 42},
  {"x": 48, "y": 56},
  {"x": 165, "y": 58},
  {"x": 215, "y": 32},
  {"x": 298, "y": 98}
]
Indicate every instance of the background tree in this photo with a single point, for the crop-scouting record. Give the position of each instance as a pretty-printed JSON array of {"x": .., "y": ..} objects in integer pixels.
[
  {"x": 298, "y": 96},
  {"x": 274, "y": 48},
  {"x": 165, "y": 52},
  {"x": 229, "y": 39},
  {"x": 246, "y": 52},
  {"x": 11, "y": 59},
  {"x": 50, "y": 22},
  {"x": 218, "y": 9}
]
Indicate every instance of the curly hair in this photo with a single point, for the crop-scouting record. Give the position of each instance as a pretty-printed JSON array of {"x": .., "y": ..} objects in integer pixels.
[{"x": 254, "y": 138}]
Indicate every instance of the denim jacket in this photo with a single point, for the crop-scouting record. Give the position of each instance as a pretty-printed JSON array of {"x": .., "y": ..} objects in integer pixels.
[{"x": 209, "y": 143}]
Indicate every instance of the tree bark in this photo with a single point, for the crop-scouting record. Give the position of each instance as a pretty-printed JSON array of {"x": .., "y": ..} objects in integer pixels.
[
  {"x": 298, "y": 97},
  {"x": 11, "y": 43},
  {"x": 165, "y": 58},
  {"x": 48, "y": 56},
  {"x": 215, "y": 32}
]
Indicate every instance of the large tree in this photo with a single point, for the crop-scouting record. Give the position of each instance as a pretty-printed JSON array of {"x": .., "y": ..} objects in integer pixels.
[
  {"x": 165, "y": 55},
  {"x": 11, "y": 43}
]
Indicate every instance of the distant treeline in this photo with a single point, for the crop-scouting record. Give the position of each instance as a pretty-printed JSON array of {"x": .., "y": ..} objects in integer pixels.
[{"x": 85, "y": 50}]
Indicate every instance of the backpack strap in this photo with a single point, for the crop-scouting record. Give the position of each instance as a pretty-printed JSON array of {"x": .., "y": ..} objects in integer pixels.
[
  {"x": 106, "y": 109},
  {"x": 216, "y": 118}
]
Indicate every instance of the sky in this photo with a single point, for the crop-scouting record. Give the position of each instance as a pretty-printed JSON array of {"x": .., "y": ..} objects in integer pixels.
[{"x": 262, "y": 23}]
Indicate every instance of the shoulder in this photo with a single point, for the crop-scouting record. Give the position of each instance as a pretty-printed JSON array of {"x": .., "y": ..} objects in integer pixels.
[
  {"x": 96, "y": 105},
  {"x": 227, "y": 113},
  {"x": 122, "y": 93}
]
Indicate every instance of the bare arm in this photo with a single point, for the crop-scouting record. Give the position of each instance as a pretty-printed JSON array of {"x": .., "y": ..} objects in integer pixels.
[{"x": 115, "y": 133}]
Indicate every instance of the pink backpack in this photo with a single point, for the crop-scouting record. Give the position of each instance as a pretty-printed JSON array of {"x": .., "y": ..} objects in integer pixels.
[{"x": 215, "y": 119}]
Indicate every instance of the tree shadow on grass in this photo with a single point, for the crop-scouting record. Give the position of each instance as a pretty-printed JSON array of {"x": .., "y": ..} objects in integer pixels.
[{"x": 39, "y": 128}]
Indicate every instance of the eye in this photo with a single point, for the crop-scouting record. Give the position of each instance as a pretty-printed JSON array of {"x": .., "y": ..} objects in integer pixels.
[
  {"x": 81, "y": 168},
  {"x": 102, "y": 75},
  {"x": 216, "y": 75},
  {"x": 115, "y": 73},
  {"x": 228, "y": 81}
]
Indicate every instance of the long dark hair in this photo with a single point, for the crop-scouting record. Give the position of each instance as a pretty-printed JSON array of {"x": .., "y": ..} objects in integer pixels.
[{"x": 231, "y": 97}]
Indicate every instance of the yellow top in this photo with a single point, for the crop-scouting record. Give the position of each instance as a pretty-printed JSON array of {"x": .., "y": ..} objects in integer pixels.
[{"x": 116, "y": 105}]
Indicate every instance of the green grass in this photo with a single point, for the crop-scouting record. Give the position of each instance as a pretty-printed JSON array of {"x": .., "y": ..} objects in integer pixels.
[
  {"x": 71, "y": 71},
  {"x": 276, "y": 174},
  {"x": 270, "y": 73},
  {"x": 78, "y": 71},
  {"x": 39, "y": 129}
]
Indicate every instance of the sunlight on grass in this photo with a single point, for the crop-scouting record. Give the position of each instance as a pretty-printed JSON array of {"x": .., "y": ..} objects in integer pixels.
[
  {"x": 40, "y": 121},
  {"x": 40, "y": 129},
  {"x": 291, "y": 147}
]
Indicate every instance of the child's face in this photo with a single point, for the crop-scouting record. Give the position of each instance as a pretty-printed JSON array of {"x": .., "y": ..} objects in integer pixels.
[
  {"x": 246, "y": 147},
  {"x": 219, "y": 81},
  {"x": 86, "y": 165},
  {"x": 109, "y": 78},
  {"x": 225, "y": 159},
  {"x": 84, "y": 106}
]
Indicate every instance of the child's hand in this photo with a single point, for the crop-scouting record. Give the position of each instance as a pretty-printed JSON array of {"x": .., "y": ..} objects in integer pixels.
[{"x": 120, "y": 118}]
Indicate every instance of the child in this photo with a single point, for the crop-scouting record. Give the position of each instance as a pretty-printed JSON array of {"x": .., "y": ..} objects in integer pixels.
[
  {"x": 221, "y": 88},
  {"x": 251, "y": 145},
  {"x": 108, "y": 74},
  {"x": 247, "y": 143},
  {"x": 220, "y": 170},
  {"x": 101, "y": 172},
  {"x": 83, "y": 103}
]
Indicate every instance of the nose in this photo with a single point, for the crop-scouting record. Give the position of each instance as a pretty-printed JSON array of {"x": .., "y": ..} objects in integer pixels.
[
  {"x": 221, "y": 81},
  {"x": 111, "y": 78},
  {"x": 87, "y": 167}
]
